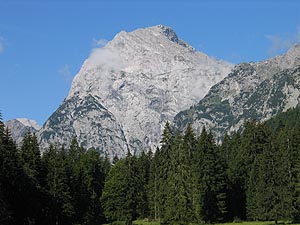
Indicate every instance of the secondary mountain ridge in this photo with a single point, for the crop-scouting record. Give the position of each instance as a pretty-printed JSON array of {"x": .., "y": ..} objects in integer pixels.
[{"x": 252, "y": 91}]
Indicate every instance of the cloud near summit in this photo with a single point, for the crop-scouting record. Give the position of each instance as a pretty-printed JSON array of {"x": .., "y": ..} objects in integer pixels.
[
  {"x": 281, "y": 43},
  {"x": 100, "y": 43},
  {"x": 107, "y": 58}
]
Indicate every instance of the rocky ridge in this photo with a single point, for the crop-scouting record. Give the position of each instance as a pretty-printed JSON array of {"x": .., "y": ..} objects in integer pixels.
[
  {"x": 20, "y": 127},
  {"x": 252, "y": 91},
  {"x": 140, "y": 80}
]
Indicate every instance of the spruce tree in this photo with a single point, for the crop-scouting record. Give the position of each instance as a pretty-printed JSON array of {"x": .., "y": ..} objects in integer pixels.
[
  {"x": 93, "y": 178},
  {"x": 163, "y": 165},
  {"x": 143, "y": 174},
  {"x": 292, "y": 146},
  {"x": 212, "y": 181},
  {"x": 179, "y": 205},
  {"x": 17, "y": 189},
  {"x": 31, "y": 157},
  {"x": 273, "y": 194},
  {"x": 6, "y": 213},
  {"x": 60, "y": 206},
  {"x": 254, "y": 140},
  {"x": 236, "y": 201},
  {"x": 114, "y": 197},
  {"x": 153, "y": 186}
]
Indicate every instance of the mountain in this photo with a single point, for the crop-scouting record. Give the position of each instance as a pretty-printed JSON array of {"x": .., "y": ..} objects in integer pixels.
[
  {"x": 88, "y": 121},
  {"x": 126, "y": 91},
  {"x": 252, "y": 91},
  {"x": 21, "y": 126}
]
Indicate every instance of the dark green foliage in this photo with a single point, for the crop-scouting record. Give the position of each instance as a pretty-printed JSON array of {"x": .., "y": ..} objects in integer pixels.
[
  {"x": 162, "y": 171},
  {"x": 125, "y": 195},
  {"x": 20, "y": 193},
  {"x": 252, "y": 175},
  {"x": 31, "y": 158},
  {"x": 152, "y": 186},
  {"x": 91, "y": 166},
  {"x": 9, "y": 172},
  {"x": 255, "y": 173},
  {"x": 212, "y": 181},
  {"x": 179, "y": 205},
  {"x": 60, "y": 207},
  {"x": 143, "y": 170},
  {"x": 236, "y": 186},
  {"x": 117, "y": 195}
]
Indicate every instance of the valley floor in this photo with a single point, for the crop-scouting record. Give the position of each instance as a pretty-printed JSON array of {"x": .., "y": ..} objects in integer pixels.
[{"x": 142, "y": 222}]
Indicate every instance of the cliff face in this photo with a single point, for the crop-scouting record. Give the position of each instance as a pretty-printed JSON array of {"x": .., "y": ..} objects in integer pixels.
[{"x": 127, "y": 90}]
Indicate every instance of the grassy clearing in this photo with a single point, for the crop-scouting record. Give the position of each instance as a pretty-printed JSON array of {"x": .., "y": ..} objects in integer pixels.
[
  {"x": 250, "y": 223},
  {"x": 258, "y": 223},
  {"x": 142, "y": 222}
]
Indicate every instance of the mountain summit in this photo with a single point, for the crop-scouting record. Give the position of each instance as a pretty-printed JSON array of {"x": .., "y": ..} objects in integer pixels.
[{"x": 126, "y": 91}]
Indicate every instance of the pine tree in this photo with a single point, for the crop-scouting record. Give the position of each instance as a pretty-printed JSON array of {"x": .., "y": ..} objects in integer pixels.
[
  {"x": 153, "y": 186},
  {"x": 94, "y": 181},
  {"x": 189, "y": 152},
  {"x": 292, "y": 145},
  {"x": 60, "y": 206},
  {"x": 273, "y": 194},
  {"x": 5, "y": 208},
  {"x": 114, "y": 197},
  {"x": 33, "y": 168},
  {"x": 163, "y": 167},
  {"x": 75, "y": 180},
  {"x": 212, "y": 181},
  {"x": 179, "y": 205},
  {"x": 31, "y": 157},
  {"x": 143, "y": 173},
  {"x": 255, "y": 139},
  {"x": 106, "y": 165},
  {"x": 16, "y": 187},
  {"x": 236, "y": 201}
]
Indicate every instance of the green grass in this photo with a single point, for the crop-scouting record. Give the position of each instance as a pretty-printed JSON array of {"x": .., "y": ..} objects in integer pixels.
[
  {"x": 142, "y": 222},
  {"x": 251, "y": 223}
]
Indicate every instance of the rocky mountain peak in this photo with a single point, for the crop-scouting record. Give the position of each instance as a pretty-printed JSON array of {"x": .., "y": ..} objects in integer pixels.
[
  {"x": 172, "y": 36},
  {"x": 20, "y": 127},
  {"x": 29, "y": 123},
  {"x": 139, "y": 80}
]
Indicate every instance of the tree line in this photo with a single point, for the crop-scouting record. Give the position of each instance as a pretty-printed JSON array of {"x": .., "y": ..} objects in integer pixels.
[
  {"x": 252, "y": 175},
  {"x": 61, "y": 186}
]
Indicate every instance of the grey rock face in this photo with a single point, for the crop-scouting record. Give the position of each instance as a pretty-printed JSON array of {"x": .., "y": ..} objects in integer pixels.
[
  {"x": 20, "y": 127},
  {"x": 251, "y": 91},
  {"x": 89, "y": 122},
  {"x": 141, "y": 79}
]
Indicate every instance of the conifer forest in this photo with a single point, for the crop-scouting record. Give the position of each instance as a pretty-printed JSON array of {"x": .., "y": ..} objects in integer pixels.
[{"x": 252, "y": 175}]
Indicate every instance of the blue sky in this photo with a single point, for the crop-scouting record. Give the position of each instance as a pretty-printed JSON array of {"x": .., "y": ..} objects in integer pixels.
[{"x": 44, "y": 43}]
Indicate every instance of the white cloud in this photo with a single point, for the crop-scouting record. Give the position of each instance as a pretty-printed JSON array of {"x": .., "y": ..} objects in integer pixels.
[
  {"x": 283, "y": 42},
  {"x": 2, "y": 44},
  {"x": 100, "y": 43},
  {"x": 65, "y": 71},
  {"x": 106, "y": 58}
]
